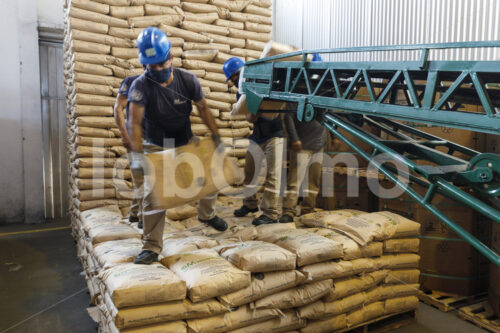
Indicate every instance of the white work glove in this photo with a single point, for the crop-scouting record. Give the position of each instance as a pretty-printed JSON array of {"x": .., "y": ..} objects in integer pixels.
[
  {"x": 219, "y": 145},
  {"x": 138, "y": 163}
]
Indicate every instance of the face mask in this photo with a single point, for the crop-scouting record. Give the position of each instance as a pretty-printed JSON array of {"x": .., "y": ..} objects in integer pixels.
[{"x": 161, "y": 75}]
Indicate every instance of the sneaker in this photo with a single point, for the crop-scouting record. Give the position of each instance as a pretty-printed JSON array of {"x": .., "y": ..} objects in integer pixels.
[
  {"x": 216, "y": 222},
  {"x": 244, "y": 210},
  {"x": 146, "y": 257},
  {"x": 263, "y": 219},
  {"x": 133, "y": 219},
  {"x": 286, "y": 219},
  {"x": 139, "y": 225}
]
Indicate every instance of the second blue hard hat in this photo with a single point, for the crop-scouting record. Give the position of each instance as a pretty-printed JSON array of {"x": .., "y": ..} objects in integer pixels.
[{"x": 232, "y": 66}]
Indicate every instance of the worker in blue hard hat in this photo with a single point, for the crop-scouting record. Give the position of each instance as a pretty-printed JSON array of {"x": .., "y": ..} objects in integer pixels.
[
  {"x": 306, "y": 142},
  {"x": 232, "y": 68},
  {"x": 162, "y": 97},
  {"x": 268, "y": 136}
]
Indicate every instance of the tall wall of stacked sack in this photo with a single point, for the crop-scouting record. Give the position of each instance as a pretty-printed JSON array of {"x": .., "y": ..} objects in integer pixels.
[{"x": 100, "y": 51}]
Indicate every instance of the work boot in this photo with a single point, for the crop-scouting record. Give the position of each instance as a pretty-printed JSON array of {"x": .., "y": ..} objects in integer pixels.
[
  {"x": 244, "y": 210},
  {"x": 286, "y": 219},
  {"x": 216, "y": 222},
  {"x": 263, "y": 219},
  {"x": 139, "y": 225},
  {"x": 133, "y": 219},
  {"x": 146, "y": 257}
]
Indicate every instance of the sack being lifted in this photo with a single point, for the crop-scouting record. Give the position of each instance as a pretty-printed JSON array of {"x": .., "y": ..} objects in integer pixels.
[
  {"x": 271, "y": 48},
  {"x": 189, "y": 173}
]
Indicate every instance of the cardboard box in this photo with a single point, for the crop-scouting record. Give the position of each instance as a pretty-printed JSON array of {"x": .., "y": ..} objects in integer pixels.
[
  {"x": 453, "y": 266},
  {"x": 472, "y": 140},
  {"x": 465, "y": 217},
  {"x": 365, "y": 200},
  {"x": 493, "y": 143},
  {"x": 402, "y": 205},
  {"x": 336, "y": 145},
  {"x": 448, "y": 263},
  {"x": 451, "y": 257},
  {"x": 494, "y": 290},
  {"x": 461, "y": 287}
]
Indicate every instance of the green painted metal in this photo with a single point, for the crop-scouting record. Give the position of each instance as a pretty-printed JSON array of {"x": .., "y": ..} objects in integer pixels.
[
  {"x": 333, "y": 123},
  {"x": 334, "y": 85},
  {"x": 433, "y": 92}
]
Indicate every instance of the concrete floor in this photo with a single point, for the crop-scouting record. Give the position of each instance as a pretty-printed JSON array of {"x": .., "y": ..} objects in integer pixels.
[{"x": 42, "y": 290}]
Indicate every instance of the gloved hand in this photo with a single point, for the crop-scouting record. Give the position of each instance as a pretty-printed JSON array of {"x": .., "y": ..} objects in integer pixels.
[
  {"x": 138, "y": 162},
  {"x": 218, "y": 143}
]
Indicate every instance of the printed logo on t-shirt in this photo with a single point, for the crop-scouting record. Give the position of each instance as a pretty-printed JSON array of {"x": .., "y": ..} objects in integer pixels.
[
  {"x": 179, "y": 101},
  {"x": 136, "y": 95},
  {"x": 124, "y": 88}
]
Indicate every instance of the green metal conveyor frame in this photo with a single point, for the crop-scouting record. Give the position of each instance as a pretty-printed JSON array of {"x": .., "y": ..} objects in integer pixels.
[{"x": 459, "y": 94}]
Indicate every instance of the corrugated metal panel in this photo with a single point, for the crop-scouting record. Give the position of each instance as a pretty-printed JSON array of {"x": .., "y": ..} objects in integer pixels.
[
  {"x": 287, "y": 24},
  {"x": 317, "y": 34},
  {"x": 390, "y": 22}
]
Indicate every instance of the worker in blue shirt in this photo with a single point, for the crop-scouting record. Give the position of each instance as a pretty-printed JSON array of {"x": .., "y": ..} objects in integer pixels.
[
  {"x": 268, "y": 135},
  {"x": 161, "y": 98}
]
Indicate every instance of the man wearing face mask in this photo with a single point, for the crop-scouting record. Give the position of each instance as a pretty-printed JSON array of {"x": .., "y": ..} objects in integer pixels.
[{"x": 162, "y": 97}]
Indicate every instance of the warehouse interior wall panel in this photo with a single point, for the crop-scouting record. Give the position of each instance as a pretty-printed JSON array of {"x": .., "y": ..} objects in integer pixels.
[
  {"x": 21, "y": 179},
  {"x": 351, "y": 23},
  {"x": 21, "y": 196},
  {"x": 287, "y": 24},
  {"x": 50, "y": 13},
  {"x": 55, "y": 176},
  {"x": 315, "y": 35}
]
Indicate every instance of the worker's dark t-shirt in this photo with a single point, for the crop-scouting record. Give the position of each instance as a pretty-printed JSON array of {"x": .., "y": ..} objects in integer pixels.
[
  {"x": 264, "y": 129},
  {"x": 167, "y": 109},
  {"x": 124, "y": 89}
]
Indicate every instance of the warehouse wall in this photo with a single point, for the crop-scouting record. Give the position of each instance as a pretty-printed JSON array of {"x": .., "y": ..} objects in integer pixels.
[
  {"x": 50, "y": 13},
  {"x": 348, "y": 23},
  {"x": 21, "y": 180}
]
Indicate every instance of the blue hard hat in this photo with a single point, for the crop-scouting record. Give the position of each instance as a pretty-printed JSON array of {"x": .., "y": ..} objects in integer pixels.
[
  {"x": 232, "y": 66},
  {"x": 317, "y": 57},
  {"x": 154, "y": 46}
]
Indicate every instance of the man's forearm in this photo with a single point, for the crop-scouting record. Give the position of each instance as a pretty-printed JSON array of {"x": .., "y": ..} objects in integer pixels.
[
  {"x": 122, "y": 125},
  {"x": 290, "y": 128},
  {"x": 136, "y": 137},
  {"x": 251, "y": 118},
  {"x": 136, "y": 112},
  {"x": 207, "y": 117}
]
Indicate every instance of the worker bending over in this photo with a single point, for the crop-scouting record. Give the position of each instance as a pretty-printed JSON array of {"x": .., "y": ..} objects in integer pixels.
[
  {"x": 122, "y": 121},
  {"x": 268, "y": 135},
  {"x": 161, "y": 97},
  {"x": 307, "y": 140}
]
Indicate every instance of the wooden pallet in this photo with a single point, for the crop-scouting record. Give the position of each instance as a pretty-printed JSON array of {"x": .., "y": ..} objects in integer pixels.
[
  {"x": 447, "y": 302},
  {"x": 481, "y": 314},
  {"x": 386, "y": 323}
]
